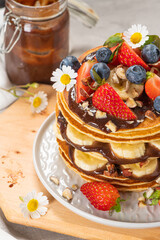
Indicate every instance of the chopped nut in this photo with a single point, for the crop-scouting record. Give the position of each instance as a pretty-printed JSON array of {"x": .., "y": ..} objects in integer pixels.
[
  {"x": 128, "y": 83},
  {"x": 131, "y": 103},
  {"x": 85, "y": 105},
  {"x": 130, "y": 122},
  {"x": 54, "y": 180},
  {"x": 90, "y": 113},
  {"x": 134, "y": 93},
  {"x": 115, "y": 79},
  {"x": 108, "y": 174},
  {"x": 100, "y": 114},
  {"x": 74, "y": 187},
  {"x": 67, "y": 194},
  {"x": 121, "y": 73},
  {"x": 140, "y": 120},
  {"x": 139, "y": 104},
  {"x": 127, "y": 172},
  {"x": 149, "y": 192},
  {"x": 150, "y": 115},
  {"x": 141, "y": 204},
  {"x": 158, "y": 180},
  {"x": 141, "y": 199},
  {"x": 111, "y": 126}
]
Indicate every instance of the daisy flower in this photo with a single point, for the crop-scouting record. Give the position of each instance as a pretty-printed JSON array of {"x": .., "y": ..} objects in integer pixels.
[
  {"x": 33, "y": 204},
  {"x": 38, "y": 102},
  {"x": 64, "y": 78},
  {"x": 136, "y": 36}
]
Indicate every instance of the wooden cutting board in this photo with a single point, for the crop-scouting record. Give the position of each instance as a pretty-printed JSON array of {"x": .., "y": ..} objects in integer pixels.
[{"x": 18, "y": 127}]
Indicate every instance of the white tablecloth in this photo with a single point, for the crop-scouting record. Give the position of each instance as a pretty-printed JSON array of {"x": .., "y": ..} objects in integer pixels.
[{"x": 115, "y": 16}]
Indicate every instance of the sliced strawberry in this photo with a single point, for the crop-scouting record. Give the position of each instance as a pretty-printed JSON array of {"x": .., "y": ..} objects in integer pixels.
[
  {"x": 128, "y": 57},
  {"x": 114, "y": 61},
  {"x": 107, "y": 100},
  {"x": 152, "y": 86},
  {"x": 83, "y": 91},
  {"x": 102, "y": 196}
]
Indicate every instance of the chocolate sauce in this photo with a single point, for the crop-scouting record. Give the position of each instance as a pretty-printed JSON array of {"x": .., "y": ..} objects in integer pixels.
[
  {"x": 98, "y": 172},
  {"x": 105, "y": 148},
  {"x": 100, "y": 123}
]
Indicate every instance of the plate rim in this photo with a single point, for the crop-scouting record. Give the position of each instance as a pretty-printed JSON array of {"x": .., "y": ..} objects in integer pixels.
[{"x": 107, "y": 222}]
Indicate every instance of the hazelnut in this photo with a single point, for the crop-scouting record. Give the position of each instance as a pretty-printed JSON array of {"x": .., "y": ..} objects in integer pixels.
[
  {"x": 100, "y": 114},
  {"x": 74, "y": 187},
  {"x": 54, "y": 180},
  {"x": 111, "y": 126},
  {"x": 141, "y": 204},
  {"x": 121, "y": 73},
  {"x": 131, "y": 103},
  {"x": 67, "y": 194},
  {"x": 150, "y": 115},
  {"x": 139, "y": 104}
]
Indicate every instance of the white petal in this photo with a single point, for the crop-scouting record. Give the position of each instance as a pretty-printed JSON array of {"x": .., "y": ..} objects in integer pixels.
[
  {"x": 35, "y": 214},
  {"x": 42, "y": 210}
]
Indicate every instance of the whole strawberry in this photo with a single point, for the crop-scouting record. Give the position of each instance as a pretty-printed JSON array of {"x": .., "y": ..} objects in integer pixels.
[
  {"x": 103, "y": 196},
  {"x": 107, "y": 100}
]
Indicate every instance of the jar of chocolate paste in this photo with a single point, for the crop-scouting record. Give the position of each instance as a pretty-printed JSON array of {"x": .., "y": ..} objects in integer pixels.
[{"x": 36, "y": 40}]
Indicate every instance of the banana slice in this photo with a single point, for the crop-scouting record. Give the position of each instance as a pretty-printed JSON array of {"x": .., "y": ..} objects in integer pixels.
[
  {"x": 132, "y": 91},
  {"x": 130, "y": 151},
  {"x": 146, "y": 169},
  {"x": 87, "y": 162},
  {"x": 155, "y": 144},
  {"x": 78, "y": 137},
  {"x": 57, "y": 131}
]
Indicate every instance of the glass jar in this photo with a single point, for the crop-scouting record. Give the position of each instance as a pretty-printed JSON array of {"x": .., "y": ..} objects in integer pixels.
[{"x": 36, "y": 40}]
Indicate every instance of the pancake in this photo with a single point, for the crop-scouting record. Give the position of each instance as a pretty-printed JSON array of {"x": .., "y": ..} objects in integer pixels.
[{"x": 100, "y": 147}]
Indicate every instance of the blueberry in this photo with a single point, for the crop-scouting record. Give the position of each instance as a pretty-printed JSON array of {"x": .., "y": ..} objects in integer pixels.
[
  {"x": 70, "y": 61},
  {"x": 103, "y": 55},
  {"x": 136, "y": 74},
  {"x": 101, "y": 69},
  {"x": 157, "y": 104},
  {"x": 150, "y": 53}
]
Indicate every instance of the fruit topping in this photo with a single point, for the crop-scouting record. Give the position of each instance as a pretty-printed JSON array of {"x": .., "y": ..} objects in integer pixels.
[
  {"x": 103, "y": 196},
  {"x": 103, "y": 54},
  {"x": 136, "y": 74},
  {"x": 128, "y": 57},
  {"x": 83, "y": 90},
  {"x": 150, "y": 53},
  {"x": 152, "y": 86},
  {"x": 101, "y": 70},
  {"x": 107, "y": 100},
  {"x": 70, "y": 61},
  {"x": 157, "y": 104}
]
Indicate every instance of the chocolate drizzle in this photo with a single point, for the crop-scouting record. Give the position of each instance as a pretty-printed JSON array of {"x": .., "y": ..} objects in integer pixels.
[{"x": 100, "y": 123}]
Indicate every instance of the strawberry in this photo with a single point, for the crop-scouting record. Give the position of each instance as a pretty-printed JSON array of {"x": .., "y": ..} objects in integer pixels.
[
  {"x": 128, "y": 57},
  {"x": 152, "y": 86},
  {"x": 107, "y": 100},
  {"x": 114, "y": 61},
  {"x": 83, "y": 91},
  {"x": 103, "y": 196}
]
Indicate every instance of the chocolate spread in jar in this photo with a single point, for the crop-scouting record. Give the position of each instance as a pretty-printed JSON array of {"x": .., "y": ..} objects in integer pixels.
[{"x": 43, "y": 43}]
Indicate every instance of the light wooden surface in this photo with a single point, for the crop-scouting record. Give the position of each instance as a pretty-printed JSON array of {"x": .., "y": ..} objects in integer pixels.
[{"x": 18, "y": 127}]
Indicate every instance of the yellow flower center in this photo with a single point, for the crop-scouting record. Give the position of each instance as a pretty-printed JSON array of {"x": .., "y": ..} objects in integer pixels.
[
  {"x": 65, "y": 79},
  {"x": 37, "y": 102},
  {"x": 32, "y": 205},
  {"x": 136, "y": 37}
]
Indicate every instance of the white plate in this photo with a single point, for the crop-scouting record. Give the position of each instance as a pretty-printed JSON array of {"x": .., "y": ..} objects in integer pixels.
[{"x": 47, "y": 162}]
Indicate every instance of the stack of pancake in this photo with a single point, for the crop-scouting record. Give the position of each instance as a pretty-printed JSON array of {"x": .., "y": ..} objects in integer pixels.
[{"x": 100, "y": 147}]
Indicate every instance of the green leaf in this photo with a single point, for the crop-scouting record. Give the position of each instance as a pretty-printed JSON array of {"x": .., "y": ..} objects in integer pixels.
[
  {"x": 117, "y": 207},
  {"x": 149, "y": 75},
  {"x": 96, "y": 76},
  {"x": 155, "y": 195},
  {"x": 154, "y": 202},
  {"x": 115, "y": 52},
  {"x": 145, "y": 195},
  {"x": 152, "y": 39},
  {"x": 113, "y": 40}
]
